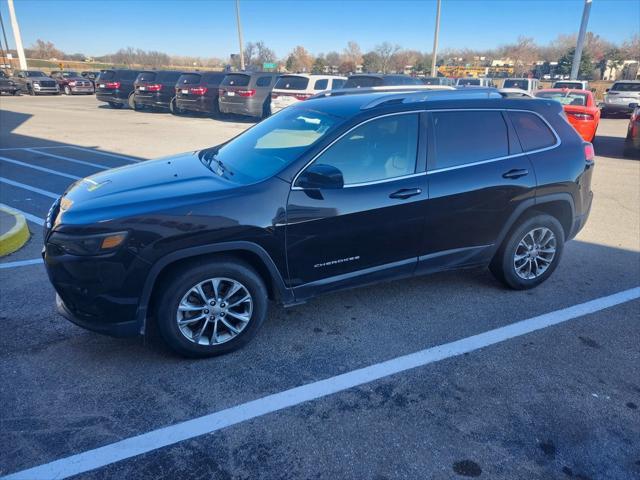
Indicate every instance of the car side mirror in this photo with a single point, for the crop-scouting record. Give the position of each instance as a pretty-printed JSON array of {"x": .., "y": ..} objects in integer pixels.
[
  {"x": 607, "y": 90},
  {"x": 321, "y": 176},
  {"x": 633, "y": 105}
]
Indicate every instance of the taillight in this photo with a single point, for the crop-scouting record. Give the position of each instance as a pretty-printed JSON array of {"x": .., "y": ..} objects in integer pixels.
[
  {"x": 274, "y": 96},
  {"x": 589, "y": 152},
  {"x": 303, "y": 96},
  {"x": 115, "y": 85},
  {"x": 156, "y": 87},
  {"x": 581, "y": 116},
  {"x": 246, "y": 93},
  {"x": 198, "y": 90}
]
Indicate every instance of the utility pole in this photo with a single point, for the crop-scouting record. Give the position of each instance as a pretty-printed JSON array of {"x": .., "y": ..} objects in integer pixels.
[
  {"x": 16, "y": 36},
  {"x": 434, "y": 72},
  {"x": 577, "y": 56},
  {"x": 5, "y": 56},
  {"x": 240, "y": 35}
]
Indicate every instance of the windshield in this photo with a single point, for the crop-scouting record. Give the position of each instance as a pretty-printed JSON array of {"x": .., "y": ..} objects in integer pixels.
[
  {"x": 35, "y": 74},
  {"x": 468, "y": 81},
  {"x": 271, "y": 145},
  {"x": 626, "y": 87},
  {"x": 363, "y": 82},
  {"x": 291, "y": 82},
  {"x": 70, "y": 74},
  {"x": 565, "y": 98},
  {"x": 522, "y": 84}
]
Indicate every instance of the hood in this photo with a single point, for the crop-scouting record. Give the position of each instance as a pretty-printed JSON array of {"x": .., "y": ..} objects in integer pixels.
[{"x": 142, "y": 188}]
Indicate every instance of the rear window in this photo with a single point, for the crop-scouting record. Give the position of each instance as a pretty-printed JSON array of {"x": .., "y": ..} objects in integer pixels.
[
  {"x": 128, "y": 75},
  {"x": 292, "y": 82},
  {"x": 523, "y": 84},
  {"x": 363, "y": 82},
  {"x": 107, "y": 75},
  {"x": 146, "y": 77},
  {"x": 532, "y": 131},
  {"x": 565, "y": 98},
  {"x": 469, "y": 81},
  {"x": 188, "y": 79},
  {"x": 168, "y": 77},
  {"x": 576, "y": 85},
  {"x": 236, "y": 80},
  {"x": 213, "y": 78},
  {"x": 263, "y": 82},
  {"x": 626, "y": 87},
  {"x": 466, "y": 137}
]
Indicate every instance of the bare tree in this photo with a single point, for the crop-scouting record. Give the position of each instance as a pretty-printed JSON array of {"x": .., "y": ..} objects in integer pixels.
[
  {"x": 352, "y": 53},
  {"x": 385, "y": 51},
  {"x": 299, "y": 60},
  {"x": 524, "y": 53}
]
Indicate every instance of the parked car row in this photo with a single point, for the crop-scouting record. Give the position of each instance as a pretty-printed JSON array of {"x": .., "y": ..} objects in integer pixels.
[{"x": 36, "y": 82}]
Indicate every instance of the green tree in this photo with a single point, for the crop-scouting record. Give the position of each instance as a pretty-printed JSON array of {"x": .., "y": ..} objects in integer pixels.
[
  {"x": 565, "y": 62},
  {"x": 318, "y": 65}
]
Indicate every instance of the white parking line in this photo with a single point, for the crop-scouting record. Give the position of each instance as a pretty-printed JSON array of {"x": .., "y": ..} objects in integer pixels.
[
  {"x": 29, "y": 187},
  {"x": 67, "y": 159},
  {"x": 28, "y": 216},
  {"x": 106, "y": 154},
  {"x": 153, "y": 440},
  {"x": 42, "y": 169},
  {"x": 21, "y": 263}
]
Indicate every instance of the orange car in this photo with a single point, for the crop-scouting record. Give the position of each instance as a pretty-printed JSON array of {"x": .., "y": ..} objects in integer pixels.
[{"x": 580, "y": 108}]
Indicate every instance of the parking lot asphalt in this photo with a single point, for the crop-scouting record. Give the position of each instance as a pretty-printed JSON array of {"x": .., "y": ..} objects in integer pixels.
[{"x": 560, "y": 402}]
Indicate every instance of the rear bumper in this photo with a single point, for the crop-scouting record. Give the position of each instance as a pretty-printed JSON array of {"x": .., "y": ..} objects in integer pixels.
[
  {"x": 250, "y": 107},
  {"x": 81, "y": 89},
  {"x": 152, "y": 101},
  {"x": 616, "y": 108},
  {"x": 200, "y": 104},
  {"x": 111, "y": 97}
]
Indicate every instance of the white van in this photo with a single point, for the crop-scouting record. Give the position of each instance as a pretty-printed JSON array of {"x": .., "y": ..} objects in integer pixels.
[
  {"x": 474, "y": 82},
  {"x": 292, "y": 88},
  {"x": 529, "y": 85}
]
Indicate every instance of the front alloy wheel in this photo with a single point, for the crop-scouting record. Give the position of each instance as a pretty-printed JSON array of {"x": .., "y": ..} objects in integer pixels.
[{"x": 214, "y": 311}]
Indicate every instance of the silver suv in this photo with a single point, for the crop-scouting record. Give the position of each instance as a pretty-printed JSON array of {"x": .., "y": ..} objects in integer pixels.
[
  {"x": 35, "y": 82},
  {"x": 620, "y": 96}
]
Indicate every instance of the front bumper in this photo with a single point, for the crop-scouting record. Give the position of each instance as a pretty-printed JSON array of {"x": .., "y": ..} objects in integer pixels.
[
  {"x": 130, "y": 328},
  {"x": 39, "y": 89}
]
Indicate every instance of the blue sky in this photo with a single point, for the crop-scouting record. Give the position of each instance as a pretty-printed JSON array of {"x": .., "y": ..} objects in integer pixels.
[{"x": 207, "y": 28}]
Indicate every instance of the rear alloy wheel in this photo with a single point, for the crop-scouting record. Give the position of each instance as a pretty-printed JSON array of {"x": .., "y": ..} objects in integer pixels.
[
  {"x": 132, "y": 102},
  {"x": 67, "y": 90},
  {"x": 212, "y": 309},
  {"x": 530, "y": 253},
  {"x": 173, "y": 107}
]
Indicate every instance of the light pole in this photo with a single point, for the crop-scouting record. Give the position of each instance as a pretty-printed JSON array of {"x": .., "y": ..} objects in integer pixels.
[
  {"x": 240, "y": 34},
  {"x": 16, "y": 36},
  {"x": 435, "y": 42},
  {"x": 577, "y": 56}
]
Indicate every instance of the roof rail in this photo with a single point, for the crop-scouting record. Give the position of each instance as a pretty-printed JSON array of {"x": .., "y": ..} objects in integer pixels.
[
  {"x": 421, "y": 96},
  {"x": 381, "y": 89}
]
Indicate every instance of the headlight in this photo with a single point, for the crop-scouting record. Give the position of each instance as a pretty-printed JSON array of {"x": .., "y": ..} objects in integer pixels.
[
  {"x": 73, "y": 84},
  {"x": 88, "y": 244},
  {"x": 36, "y": 83}
]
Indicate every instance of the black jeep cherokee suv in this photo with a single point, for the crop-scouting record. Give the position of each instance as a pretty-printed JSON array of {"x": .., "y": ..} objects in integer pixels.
[{"x": 330, "y": 193}]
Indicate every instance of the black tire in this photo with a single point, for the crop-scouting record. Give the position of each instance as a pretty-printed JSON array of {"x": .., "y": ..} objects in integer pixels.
[
  {"x": 115, "y": 105},
  {"x": 186, "y": 278},
  {"x": 31, "y": 90},
  {"x": 67, "y": 90},
  {"x": 502, "y": 265},
  {"x": 132, "y": 102},
  {"x": 15, "y": 93},
  {"x": 266, "y": 108},
  {"x": 173, "y": 108}
]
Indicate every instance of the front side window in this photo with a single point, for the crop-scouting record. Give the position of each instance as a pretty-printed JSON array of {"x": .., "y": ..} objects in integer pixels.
[
  {"x": 267, "y": 148},
  {"x": 380, "y": 149},
  {"x": 468, "y": 136}
]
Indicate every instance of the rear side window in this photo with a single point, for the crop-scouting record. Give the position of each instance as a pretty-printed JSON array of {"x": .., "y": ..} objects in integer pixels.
[
  {"x": 168, "y": 77},
  {"x": 107, "y": 75},
  {"x": 213, "y": 79},
  {"x": 532, "y": 131},
  {"x": 321, "y": 84},
  {"x": 236, "y": 80},
  {"x": 263, "y": 82},
  {"x": 146, "y": 77},
  {"x": 626, "y": 87},
  {"x": 292, "y": 82},
  {"x": 468, "y": 136},
  {"x": 188, "y": 79},
  {"x": 363, "y": 82}
]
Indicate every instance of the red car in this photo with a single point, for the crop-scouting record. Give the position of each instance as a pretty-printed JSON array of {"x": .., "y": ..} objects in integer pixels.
[
  {"x": 580, "y": 107},
  {"x": 71, "y": 82}
]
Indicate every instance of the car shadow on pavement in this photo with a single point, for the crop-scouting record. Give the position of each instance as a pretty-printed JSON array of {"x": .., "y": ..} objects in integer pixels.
[{"x": 613, "y": 147}]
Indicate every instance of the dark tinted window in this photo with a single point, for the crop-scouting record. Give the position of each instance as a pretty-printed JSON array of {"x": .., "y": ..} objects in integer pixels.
[
  {"x": 35, "y": 73},
  {"x": 236, "y": 80},
  {"x": 146, "y": 77},
  {"x": 337, "y": 83},
  {"x": 532, "y": 131},
  {"x": 379, "y": 149},
  {"x": 263, "y": 81},
  {"x": 523, "y": 84},
  {"x": 363, "y": 81},
  {"x": 468, "y": 81},
  {"x": 431, "y": 81},
  {"x": 189, "y": 79},
  {"x": 576, "y": 85},
  {"x": 128, "y": 75},
  {"x": 626, "y": 87},
  {"x": 168, "y": 77},
  {"x": 292, "y": 82},
  {"x": 107, "y": 75},
  {"x": 468, "y": 136},
  {"x": 213, "y": 78},
  {"x": 321, "y": 84}
]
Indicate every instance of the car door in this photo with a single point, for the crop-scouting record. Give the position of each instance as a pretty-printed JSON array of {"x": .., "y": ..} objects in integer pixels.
[
  {"x": 372, "y": 226},
  {"x": 477, "y": 177}
]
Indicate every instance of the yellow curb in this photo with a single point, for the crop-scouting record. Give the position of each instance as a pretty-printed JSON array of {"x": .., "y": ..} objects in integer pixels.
[{"x": 15, "y": 238}]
